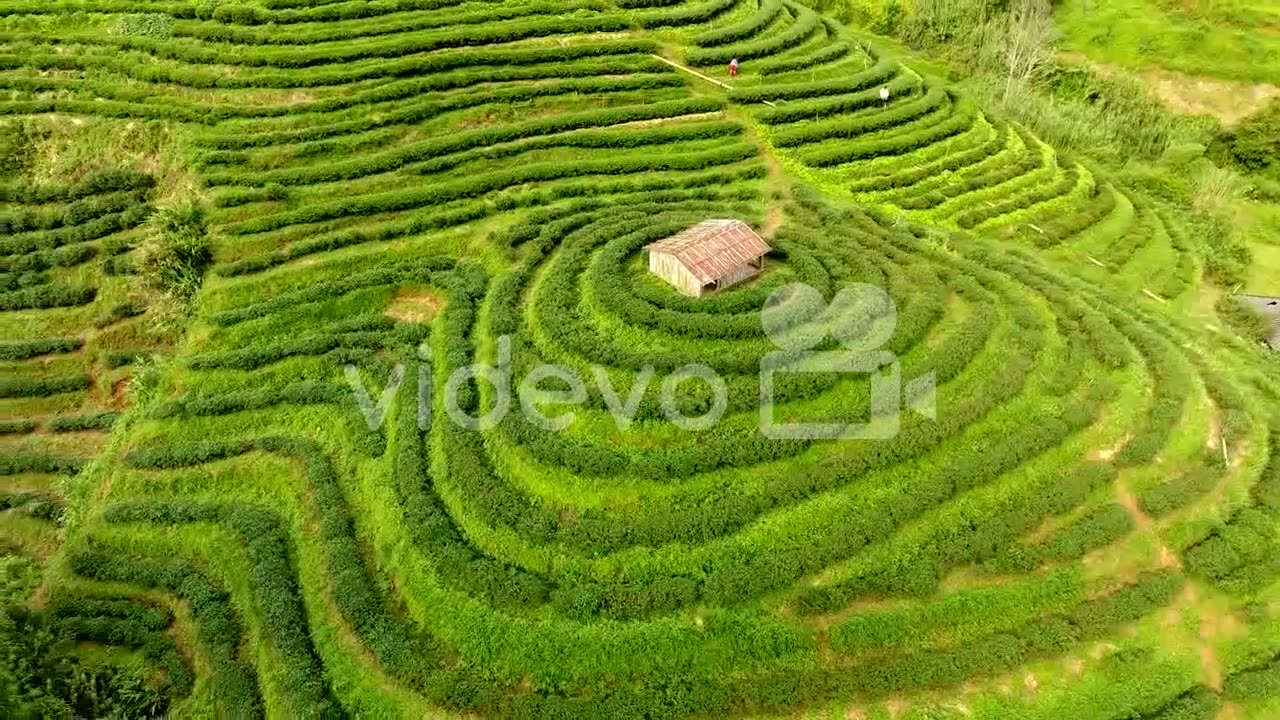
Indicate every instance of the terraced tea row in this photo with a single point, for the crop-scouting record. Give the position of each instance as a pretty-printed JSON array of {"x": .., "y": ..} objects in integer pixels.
[
  {"x": 70, "y": 333},
  {"x": 646, "y": 526},
  {"x": 297, "y": 515}
]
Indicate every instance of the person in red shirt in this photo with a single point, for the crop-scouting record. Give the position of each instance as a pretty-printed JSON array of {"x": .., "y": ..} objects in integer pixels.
[{"x": 733, "y": 67}]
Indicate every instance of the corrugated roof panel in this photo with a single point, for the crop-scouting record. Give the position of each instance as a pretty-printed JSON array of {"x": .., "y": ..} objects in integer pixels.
[{"x": 712, "y": 249}]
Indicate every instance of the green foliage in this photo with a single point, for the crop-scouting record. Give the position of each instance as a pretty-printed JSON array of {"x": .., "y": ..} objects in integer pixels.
[
  {"x": 12, "y": 464},
  {"x": 218, "y": 626},
  {"x": 152, "y": 25},
  {"x": 176, "y": 254},
  {"x": 25, "y": 349},
  {"x": 89, "y": 421},
  {"x": 17, "y": 427},
  {"x": 1254, "y": 144},
  {"x": 46, "y": 680},
  {"x": 511, "y": 161},
  {"x": 17, "y": 148},
  {"x": 33, "y": 504},
  {"x": 1242, "y": 318},
  {"x": 743, "y": 29},
  {"x": 14, "y": 387}
]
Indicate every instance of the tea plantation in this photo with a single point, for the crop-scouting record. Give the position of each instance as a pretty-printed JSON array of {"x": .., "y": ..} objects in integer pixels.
[{"x": 388, "y": 191}]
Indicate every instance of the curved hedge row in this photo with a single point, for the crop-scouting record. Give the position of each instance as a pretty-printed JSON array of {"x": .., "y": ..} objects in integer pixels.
[
  {"x": 743, "y": 29},
  {"x": 805, "y": 25}
]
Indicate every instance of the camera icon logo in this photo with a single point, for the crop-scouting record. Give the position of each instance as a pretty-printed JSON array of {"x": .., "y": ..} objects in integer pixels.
[{"x": 861, "y": 319}]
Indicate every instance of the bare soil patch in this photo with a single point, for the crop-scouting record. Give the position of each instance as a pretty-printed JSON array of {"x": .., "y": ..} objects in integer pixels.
[{"x": 415, "y": 306}]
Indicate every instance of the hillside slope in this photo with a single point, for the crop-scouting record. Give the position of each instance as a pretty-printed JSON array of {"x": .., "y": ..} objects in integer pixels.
[{"x": 396, "y": 189}]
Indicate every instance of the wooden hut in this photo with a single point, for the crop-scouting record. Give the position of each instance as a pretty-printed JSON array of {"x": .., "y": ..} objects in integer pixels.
[{"x": 712, "y": 255}]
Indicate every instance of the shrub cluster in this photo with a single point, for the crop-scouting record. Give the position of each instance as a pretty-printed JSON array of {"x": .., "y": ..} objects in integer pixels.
[
  {"x": 219, "y": 628},
  {"x": 104, "y": 181},
  {"x": 15, "y": 387},
  {"x": 934, "y": 99},
  {"x": 463, "y": 141},
  {"x": 828, "y": 53},
  {"x": 876, "y": 74},
  {"x": 745, "y": 28},
  {"x": 897, "y": 142},
  {"x": 25, "y": 349},
  {"x": 14, "y": 463},
  {"x": 89, "y": 421},
  {"x": 685, "y": 14},
  {"x": 901, "y": 86},
  {"x": 805, "y": 25},
  {"x": 480, "y": 185},
  {"x": 1043, "y": 193},
  {"x": 17, "y": 427},
  {"x": 353, "y": 588}
]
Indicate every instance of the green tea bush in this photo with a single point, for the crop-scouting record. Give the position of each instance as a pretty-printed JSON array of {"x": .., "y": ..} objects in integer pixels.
[
  {"x": 1091, "y": 531},
  {"x": 685, "y": 15},
  {"x": 482, "y": 138},
  {"x": 14, "y": 463},
  {"x": 828, "y": 53},
  {"x": 97, "y": 183},
  {"x": 948, "y": 163},
  {"x": 26, "y": 349},
  {"x": 90, "y": 421},
  {"x": 934, "y": 99},
  {"x": 45, "y": 296},
  {"x": 487, "y": 183},
  {"x": 218, "y": 625},
  {"x": 195, "y": 77},
  {"x": 94, "y": 229},
  {"x": 894, "y": 142},
  {"x": 65, "y": 256},
  {"x": 333, "y": 53},
  {"x": 805, "y": 25},
  {"x": 16, "y": 387},
  {"x": 76, "y": 213},
  {"x": 152, "y": 25},
  {"x": 1008, "y": 171},
  {"x": 356, "y": 594},
  {"x": 743, "y": 29},
  {"x": 17, "y": 427},
  {"x": 1056, "y": 227},
  {"x": 301, "y": 392},
  {"x": 417, "y": 111},
  {"x": 1040, "y": 194},
  {"x": 902, "y": 85},
  {"x": 38, "y": 505},
  {"x": 880, "y": 72}
]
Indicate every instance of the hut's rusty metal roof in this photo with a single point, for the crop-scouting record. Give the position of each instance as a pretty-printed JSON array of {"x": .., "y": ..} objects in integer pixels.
[{"x": 712, "y": 249}]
